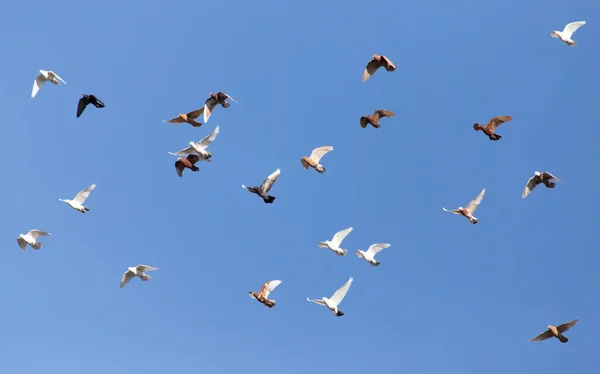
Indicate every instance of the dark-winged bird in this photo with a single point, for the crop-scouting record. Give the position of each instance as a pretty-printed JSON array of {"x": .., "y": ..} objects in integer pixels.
[
  {"x": 88, "y": 99},
  {"x": 539, "y": 178},
  {"x": 182, "y": 163},
  {"x": 556, "y": 332},
  {"x": 265, "y": 187},
  {"x": 491, "y": 126},
  {"x": 188, "y": 118},
  {"x": 214, "y": 100},
  {"x": 374, "y": 119},
  {"x": 377, "y": 62}
]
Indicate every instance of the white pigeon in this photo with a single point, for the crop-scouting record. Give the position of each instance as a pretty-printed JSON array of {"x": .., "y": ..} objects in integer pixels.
[
  {"x": 77, "y": 202},
  {"x": 369, "y": 255},
  {"x": 31, "y": 239},
  {"x": 137, "y": 271},
  {"x": 45, "y": 76},
  {"x": 567, "y": 32},
  {"x": 200, "y": 147},
  {"x": 315, "y": 157},
  {"x": 333, "y": 303},
  {"x": 470, "y": 209},
  {"x": 334, "y": 244}
]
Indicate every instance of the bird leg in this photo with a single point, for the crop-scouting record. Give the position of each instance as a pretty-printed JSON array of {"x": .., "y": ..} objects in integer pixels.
[{"x": 495, "y": 137}]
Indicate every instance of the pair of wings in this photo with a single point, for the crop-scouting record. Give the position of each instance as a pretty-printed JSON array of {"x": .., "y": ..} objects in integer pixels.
[
  {"x": 204, "y": 143},
  {"x": 318, "y": 153},
  {"x": 373, "y": 65},
  {"x": 268, "y": 182},
  {"x": 129, "y": 274},
  {"x": 268, "y": 287},
  {"x": 561, "y": 328},
  {"x": 376, "y": 116},
  {"x": 41, "y": 79},
  {"x": 535, "y": 180},
  {"x": 569, "y": 29},
  {"x": 84, "y": 194},
  {"x": 473, "y": 205},
  {"x": 338, "y": 296},
  {"x": 211, "y": 103},
  {"x": 376, "y": 248},
  {"x": 341, "y": 235}
]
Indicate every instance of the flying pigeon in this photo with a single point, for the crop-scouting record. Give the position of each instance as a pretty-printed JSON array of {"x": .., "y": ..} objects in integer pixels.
[
  {"x": 264, "y": 188},
  {"x": 374, "y": 119},
  {"x": 31, "y": 239},
  {"x": 568, "y": 31},
  {"x": 538, "y": 178},
  {"x": 77, "y": 202},
  {"x": 556, "y": 332},
  {"x": 45, "y": 76},
  {"x": 188, "y": 118},
  {"x": 491, "y": 126},
  {"x": 182, "y": 163},
  {"x": 88, "y": 99},
  {"x": 213, "y": 101},
  {"x": 334, "y": 244},
  {"x": 315, "y": 157},
  {"x": 470, "y": 209},
  {"x": 263, "y": 295},
  {"x": 138, "y": 271},
  {"x": 377, "y": 62},
  {"x": 200, "y": 147},
  {"x": 369, "y": 255},
  {"x": 333, "y": 303}
]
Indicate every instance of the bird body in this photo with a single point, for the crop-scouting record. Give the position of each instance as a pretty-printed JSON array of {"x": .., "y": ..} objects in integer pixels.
[
  {"x": 490, "y": 128},
  {"x": 263, "y": 295},
  {"x": 374, "y": 118},
  {"x": 215, "y": 99},
  {"x": 315, "y": 157},
  {"x": 333, "y": 303},
  {"x": 567, "y": 33},
  {"x": 470, "y": 209},
  {"x": 77, "y": 202},
  {"x": 85, "y": 101},
  {"x": 136, "y": 271},
  {"x": 334, "y": 244},
  {"x": 188, "y": 118},
  {"x": 556, "y": 332},
  {"x": 369, "y": 254},
  {"x": 31, "y": 239},
  {"x": 45, "y": 76},
  {"x": 377, "y": 62},
  {"x": 200, "y": 147},
  {"x": 538, "y": 178},
  {"x": 189, "y": 162},
  {"x": 264, "y": 188}
]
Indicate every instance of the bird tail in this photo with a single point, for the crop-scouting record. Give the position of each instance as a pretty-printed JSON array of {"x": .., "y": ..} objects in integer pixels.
[
  {"x": 225, "y": 104},
  {"x": 359, "y": 254},
  {"x": 563, "y": 339},
  {"x": 320, "y": 169},
  {"x": 146, "y": 277},
  {"x": 269, "y": 199},
  {"x": 37, "y": 245},
  {"x": 86, "y": 208},
  {"x": 339, "y": 313},
  {"x": 344, "y": 251},
  {"x": 322, "y": 244},
  {"x": 376, "y": 263}
]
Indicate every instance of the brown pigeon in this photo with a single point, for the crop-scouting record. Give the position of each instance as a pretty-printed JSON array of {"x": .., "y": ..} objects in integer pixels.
[
  {"x": 188, "y": 118},
  {"x": 491, "y": 126},
  {"x": 182, "y": 163},
  {"x": 377, "y": 62},
  {"x": 374, "y": 119},
  {"x": 539, "y": 178},
  {"x": 263, "y": 295},
  {"x": 556, "y": 332}
]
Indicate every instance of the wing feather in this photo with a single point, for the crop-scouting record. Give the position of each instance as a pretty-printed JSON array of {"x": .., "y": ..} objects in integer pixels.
[
  {"x": 371, "y": 68},
  {"x": 474, "y": 204},
  {"x": 571, "y": 28},
  {"x": 378, "y": 247},
  {"x": 209, "y": 105},
  {"x": 549, "y": 176},
  {"x": 195, "y": 114},
  {"x": 497, "y": 121},
  {"x": 543, "y": 336},
  {"x": 320, "y": 302},
  {"x": 268, "y": 182},
  {"x": 318, "y": 153},
  {"x": 566, "y": 326},
  {"x": 341, "y": 235},
  {"x": 339, "y": 295},
  {"x": 531, "y": 184},
  {"x": 184, "y": 152},
  {"x": 84, "y": 194},
  {"x": 126, "y": 278},
  {"x": 37, "y": 84},
  {"x": 37, "y": 233},
  {"x": 208, "y": 139},
  {"x": 268, "y": 287}
]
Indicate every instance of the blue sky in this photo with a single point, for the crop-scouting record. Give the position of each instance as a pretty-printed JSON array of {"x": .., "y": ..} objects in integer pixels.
[{"x": 448, "y": 297}]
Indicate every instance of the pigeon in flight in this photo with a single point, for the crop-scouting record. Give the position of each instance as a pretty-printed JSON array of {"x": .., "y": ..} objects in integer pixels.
[
  {"x": 88, "y": 99},
  {"x": 45, "y": 76}
]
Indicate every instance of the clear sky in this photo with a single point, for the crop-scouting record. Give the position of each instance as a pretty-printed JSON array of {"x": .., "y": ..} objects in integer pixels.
[{"x": 449, "y": 296}]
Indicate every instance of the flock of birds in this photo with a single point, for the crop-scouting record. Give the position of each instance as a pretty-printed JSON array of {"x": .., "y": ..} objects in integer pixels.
[{"x": 197, "y": 151}]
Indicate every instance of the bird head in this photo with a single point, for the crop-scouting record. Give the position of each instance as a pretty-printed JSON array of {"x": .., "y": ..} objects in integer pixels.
[
  {"x": 537, "y": 174},
  {"x": 192, "y": 143},
  {"x": 460, "y": 208},
  {"x": 477, "y": 126},
  {"x": 549, "y": 327}
]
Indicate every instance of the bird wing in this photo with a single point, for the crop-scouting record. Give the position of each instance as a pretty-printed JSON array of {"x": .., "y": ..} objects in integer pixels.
[
  {"x": 543, "y": 336},
  {"x": 371, "y": 68},
  {"x": 179, "y": 166},
  {"x": 145, "y": 268},
  {"x": 184, "y": 152},
  {"x": 126, "y": 278},
  {"x": 83, "y": 102},
  {"x": 474, "y": 204},
  {"x": 382, "y": 113},
  {"x": 37, "y": 233},
  {"x": 339, "y": 295},
  {"x": 22, "y": 243},
  {"x": 320, "y": 302},
  {"x": 83, "y": 194},
  {"x": 571, "y": 28},
  {"x": 268, "y": 287},
  {"x": 96, "y": 102},
  {"x": 56, "y": 76},
  {"x": 229, "y": 97},
  {"x": 566, "y": 326},
  {"x": 195, "y": 114},
  {"x": 389, "y": 62},
  {"x": 318, "y": 153},
  {"x": 341, "y": 235},
  {"x": 551, "y": 177},
  {"x": 268, "y": 182},
  {"x": 37, "y": 83},
  {"x": 208, "y": 139},
  {"x": 455, "y": 211},
  {"x": 376, "y": 248},
  {"x": 497, "y": 121},
  {"x": 175, "y": 120},
  {"x": 193, "y": 159},
  {"x": 209, "y": 105},
  {"x": 364, "y": 121},
  {"x": 531, "y": 184}
]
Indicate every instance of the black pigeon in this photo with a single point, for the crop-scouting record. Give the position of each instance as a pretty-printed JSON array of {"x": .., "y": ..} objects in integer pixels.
[{"x": 88, "y": 99}]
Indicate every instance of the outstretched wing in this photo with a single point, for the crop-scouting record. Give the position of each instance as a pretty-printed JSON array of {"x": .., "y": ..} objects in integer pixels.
[
  {"x": 209, "y": 105},
  {"x": 208, "y": 139},
  {"x": 371, "y": 68},
  {"x": 531, "y": 184},
  {"x": 566, "y": 326},
  {"x": 37, "y": 83},
  {"x": 497, "y": 121},
  {"x": 22, "y": 243},
  {"x": 474, "y": 204},
  {"x": 268, "y": 182},
  {"x": 571, "y": 28},
  {"x": 83, "y": 102},
  {"x": 195, "y": 114},
  {"x": 268, "y": 287},
  {"x": 175, "y": 120},
  {"x": 341, "y": 235},
  {"x": 389, "y": 62},
  {"x": 83, "y": 194},
  {"x": 320, "y": 302},
  {"x": 318, "y": 153},
  {"x": 339, "y": 295},
  {"x": 37, "y": 233},
  {"x": 543, "y": 336},
  {"x": 184, "y": 152},
  {"x": 376, "y": 248},
  {"x": 549, "y": 176},
  {"x": 380, "y": 113},
  {"x": 364, "y": 121},
  {"x": 145, "y": 268},
  {"x": 56, "y": 76},
  {"x": 126, "y": 278},
  {"x": 229, "y": 97},
  {"x": 455, "y": 211}
]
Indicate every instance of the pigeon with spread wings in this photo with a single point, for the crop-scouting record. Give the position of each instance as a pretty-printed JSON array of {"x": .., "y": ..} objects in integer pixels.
[
  {"x": 377, "y": 62},
  {"x": 200, "y": 147},
  {"x": 374, "y": 118},
  {"x": 77, "y": 202},
  {"x": 45, "y": 76},
  {"x": 539, "y": 178},
  {"x": 567, "y": 32},
  {"x": 335, "y": 300},
  {"x": 182, "y": 163},
  {"x": 334, "y": 244},
  {"x": 264, "y": 188},
  {"x": 214, "y": 100},
  {"x": 188, "y": 118},
  {"x": 556, "y": 332},
  {"x": 470, "y": 209},
  {"x": 85, "y": 101},
  {"x": 263, "y": 295},
  {"x": 137, "y": 271},
  {"x": 31, "y": 239},
  {"x": 315, "y": 157},
  {"x": 490, "y": 128},
  {"x": 369, "y": 255}
]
